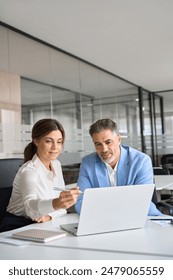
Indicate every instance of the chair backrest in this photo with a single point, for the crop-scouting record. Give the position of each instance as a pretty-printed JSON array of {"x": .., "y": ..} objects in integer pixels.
[
  {"x": 8, "y": 170},
  {"x": 160, "y": 171},
  {"x": 167, "y": 158},
  {"x": 167, "y": 162}
]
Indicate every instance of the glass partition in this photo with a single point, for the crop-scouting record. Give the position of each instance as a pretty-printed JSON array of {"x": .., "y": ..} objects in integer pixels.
[
  {"x": 40, "y": 81},
  {"x": 165, "y": 130}
]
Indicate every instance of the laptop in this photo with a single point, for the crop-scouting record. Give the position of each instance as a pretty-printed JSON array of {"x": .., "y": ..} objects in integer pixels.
[{"x": 112, "y": 209}]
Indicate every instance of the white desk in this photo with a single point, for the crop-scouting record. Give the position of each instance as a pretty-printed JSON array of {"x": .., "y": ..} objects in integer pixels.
[
  {"x": 163, "y": 183},
  {"x": 152, "y": 242}
]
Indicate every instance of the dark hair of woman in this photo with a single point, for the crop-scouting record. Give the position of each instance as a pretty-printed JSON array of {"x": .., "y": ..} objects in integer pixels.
[{"x": 40, "y": 129}]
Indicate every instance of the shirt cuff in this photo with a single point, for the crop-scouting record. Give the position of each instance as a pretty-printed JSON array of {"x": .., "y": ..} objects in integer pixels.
[
  {"x": 58, "y": 213},
  {"x": 45, "y": 207}
]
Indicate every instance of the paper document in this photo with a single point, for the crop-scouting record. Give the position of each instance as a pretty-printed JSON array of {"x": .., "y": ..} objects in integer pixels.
[{"x": 12, "y": 241}]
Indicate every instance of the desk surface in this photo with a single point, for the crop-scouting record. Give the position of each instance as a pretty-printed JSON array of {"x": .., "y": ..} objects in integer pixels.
[
  {"x": 152, "y": 242},
  {"x": 164, "y": 182}
]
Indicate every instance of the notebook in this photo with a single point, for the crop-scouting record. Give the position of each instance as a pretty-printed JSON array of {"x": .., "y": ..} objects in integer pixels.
[
  {"x": 39, "y": 235},
  {"x": 112, "y": 209}
]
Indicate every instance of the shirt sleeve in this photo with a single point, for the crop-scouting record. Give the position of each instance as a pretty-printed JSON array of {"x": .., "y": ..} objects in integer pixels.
[
  {"x": 145, "y": 176},
  {"x": 45, "y": 206},
  {"x": 35, "y": 202},
  {"x": 83, "y": 183}
]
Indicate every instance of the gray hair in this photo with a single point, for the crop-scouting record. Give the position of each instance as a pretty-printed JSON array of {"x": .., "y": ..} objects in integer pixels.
[{"x": 103, "y": 124}]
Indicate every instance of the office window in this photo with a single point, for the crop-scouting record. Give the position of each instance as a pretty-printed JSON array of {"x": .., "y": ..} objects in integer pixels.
[{"x": 39, "y": 81}]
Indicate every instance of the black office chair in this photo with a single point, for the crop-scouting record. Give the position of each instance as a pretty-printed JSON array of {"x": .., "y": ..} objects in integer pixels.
[
  {"x": 165, "y": 205},
  {"x": 155, "y": 201},
  {"x": 160, "y": 171},
  {"x": 167, "y": 162},
  {"x": 8, "y": 170},
  {"x": 162, "y": 205}
]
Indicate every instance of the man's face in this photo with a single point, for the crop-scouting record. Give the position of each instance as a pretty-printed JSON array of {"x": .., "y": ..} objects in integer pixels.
[{"x": 107, "y": 145}]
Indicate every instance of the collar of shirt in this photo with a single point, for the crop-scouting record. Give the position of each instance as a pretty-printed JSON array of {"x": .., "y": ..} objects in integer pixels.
[
  {"x": 38, "y": 163},
  {"x": 112, "y": 174}
]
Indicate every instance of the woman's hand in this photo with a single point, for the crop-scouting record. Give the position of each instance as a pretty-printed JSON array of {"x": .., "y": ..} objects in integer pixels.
[
  {"x": 66, "y": 199},
  {"x": 43, "y": 219}
]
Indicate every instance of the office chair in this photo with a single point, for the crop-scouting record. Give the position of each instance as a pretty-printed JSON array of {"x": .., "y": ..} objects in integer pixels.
[
  {"x": 166, "y": 206},
  {"x": 163, "y": 206},
  {"x": 167, "y": 162},
  {"x": 160, "y": 171},
  {"x": 8, "y": 170}
]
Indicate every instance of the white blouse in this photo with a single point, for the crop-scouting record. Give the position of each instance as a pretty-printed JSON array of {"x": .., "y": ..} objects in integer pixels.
[{"x": 33, "y": 190}]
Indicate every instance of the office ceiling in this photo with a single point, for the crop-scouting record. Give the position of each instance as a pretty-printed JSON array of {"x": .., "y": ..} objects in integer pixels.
[{"x": 132, "y": 39}]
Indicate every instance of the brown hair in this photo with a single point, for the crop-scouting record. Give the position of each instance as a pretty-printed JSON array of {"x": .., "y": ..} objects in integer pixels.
[{"x": 39, "y": 130}]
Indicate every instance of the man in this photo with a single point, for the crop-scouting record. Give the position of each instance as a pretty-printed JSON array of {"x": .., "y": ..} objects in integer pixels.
[{"x": 113, "y": 164}]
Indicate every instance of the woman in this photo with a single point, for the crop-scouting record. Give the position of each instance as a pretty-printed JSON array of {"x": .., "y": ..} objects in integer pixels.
[{"x": 34, "y": 196}]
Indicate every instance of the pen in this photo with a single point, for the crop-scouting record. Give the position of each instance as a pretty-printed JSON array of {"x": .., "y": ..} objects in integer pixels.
[{"x": 65, "y": 190}]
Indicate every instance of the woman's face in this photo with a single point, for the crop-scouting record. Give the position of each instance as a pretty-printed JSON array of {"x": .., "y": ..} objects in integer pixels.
[{"x": 49, "y": 147}]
